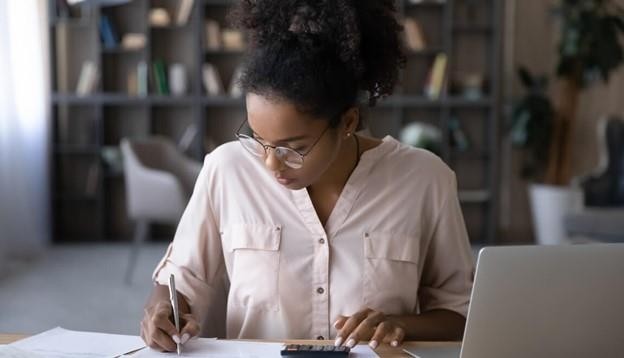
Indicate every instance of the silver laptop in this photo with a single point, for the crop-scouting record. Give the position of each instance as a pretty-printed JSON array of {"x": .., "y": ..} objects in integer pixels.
[{"x": 545, "y": 301}]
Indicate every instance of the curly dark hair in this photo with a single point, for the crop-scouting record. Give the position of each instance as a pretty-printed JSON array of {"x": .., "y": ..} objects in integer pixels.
[{"x": 320, "y": 54}]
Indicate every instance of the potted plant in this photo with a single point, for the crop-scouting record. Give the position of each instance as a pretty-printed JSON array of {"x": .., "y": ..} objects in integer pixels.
[
  {"x": 589, "y": 50},
  {"x": 532, "y": 127}
]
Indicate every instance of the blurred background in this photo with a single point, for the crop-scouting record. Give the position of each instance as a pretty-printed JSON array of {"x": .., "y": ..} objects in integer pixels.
[{"x": 107, "y": 108}]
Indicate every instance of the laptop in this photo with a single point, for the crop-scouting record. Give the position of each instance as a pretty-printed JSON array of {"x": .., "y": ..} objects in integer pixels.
[{"x": 544, "y": 301}]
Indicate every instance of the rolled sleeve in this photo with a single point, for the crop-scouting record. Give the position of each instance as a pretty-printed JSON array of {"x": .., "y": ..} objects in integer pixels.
[
  {"x": 195, "y": 256},
  {"x": 449, "y": 265}
]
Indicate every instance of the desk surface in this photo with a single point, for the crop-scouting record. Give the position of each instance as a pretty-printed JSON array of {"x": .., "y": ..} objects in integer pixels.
[{"x": 383, "y": 351}]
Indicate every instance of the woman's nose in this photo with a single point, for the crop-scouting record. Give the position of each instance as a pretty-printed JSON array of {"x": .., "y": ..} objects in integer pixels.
[{"x": 272, "y": 162}]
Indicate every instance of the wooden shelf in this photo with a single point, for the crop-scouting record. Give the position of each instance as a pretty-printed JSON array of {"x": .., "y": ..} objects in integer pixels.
[
  {"x": 407, "y": 101},
  {"x": 62, "y": 149},
  {"x": 121, "y": 51},
  {"x": 223, "y": 52},
  {"x": 107, "y": 116},
  {"x": 219, "y": 2},
  {"x": 222, "y": 101},
  {"x": 474, "y": 196},
  {"x": 426, "y": 4},
  {"x": 75, "y": 198}
]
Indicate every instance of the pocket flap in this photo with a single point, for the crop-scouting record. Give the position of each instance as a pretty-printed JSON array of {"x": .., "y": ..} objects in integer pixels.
[
  {"x": 391, "y": 246},
  {"x": 253, "y": 237}
]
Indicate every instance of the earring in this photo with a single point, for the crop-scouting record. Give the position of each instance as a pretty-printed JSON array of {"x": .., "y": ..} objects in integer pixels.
[{"x": 348, "y": 134}]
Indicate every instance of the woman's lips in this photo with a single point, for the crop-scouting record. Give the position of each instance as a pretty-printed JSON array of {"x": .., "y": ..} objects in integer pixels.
[{"x": 283, "y": 180}]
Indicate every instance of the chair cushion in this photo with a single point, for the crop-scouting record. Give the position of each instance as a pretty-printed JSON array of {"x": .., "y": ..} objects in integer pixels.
[{"x": 605, "y": 224}]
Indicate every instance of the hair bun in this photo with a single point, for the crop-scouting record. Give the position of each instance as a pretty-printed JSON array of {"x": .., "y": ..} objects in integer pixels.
[
  {"x": 359, "y": 38},
  {"x": 305, "y": 21}
]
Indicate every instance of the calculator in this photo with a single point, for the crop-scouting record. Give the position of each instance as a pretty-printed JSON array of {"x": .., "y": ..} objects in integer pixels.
[{"x": 307, "y": 350}]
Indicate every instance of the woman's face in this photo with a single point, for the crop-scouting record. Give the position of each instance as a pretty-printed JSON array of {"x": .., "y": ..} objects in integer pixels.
[{"x": 279, "y": 123}]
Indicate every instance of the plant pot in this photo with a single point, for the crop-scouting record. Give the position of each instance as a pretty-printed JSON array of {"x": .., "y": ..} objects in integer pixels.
[{"x": 549, "y": 205}]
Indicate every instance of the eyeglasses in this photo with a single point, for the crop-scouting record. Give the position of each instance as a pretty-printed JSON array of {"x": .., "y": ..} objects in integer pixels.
[{"x": 290, "y": 157}]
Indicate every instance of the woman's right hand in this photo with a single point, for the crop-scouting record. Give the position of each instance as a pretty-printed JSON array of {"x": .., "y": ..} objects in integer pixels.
[{"x": 158, "y": 330}]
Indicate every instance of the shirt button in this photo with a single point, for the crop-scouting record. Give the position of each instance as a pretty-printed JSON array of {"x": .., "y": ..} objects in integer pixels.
[
  {"x": 320, "y": 338},
  {"x": 321, "y": 241},
  {"x": 320, "y": 290}
]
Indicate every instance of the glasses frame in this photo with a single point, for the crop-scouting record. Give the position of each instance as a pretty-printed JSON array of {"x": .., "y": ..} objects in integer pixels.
[{"x": 277, "y": 147}]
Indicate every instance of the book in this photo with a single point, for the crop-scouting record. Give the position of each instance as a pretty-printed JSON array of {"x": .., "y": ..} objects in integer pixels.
[
  {"x": 212, "y": 35},
  {"x": 108, "y": 33},
  {"x": 437, "y": 77},
  {"x": 62, "y": 34},
  {"x": 235, "y": 87},
  {"x": 160, "y": 77},
  {"x": 212, "y": 80},
  {"x": 414, "y": 35},
  {"x": 142, "y": 76},
  {"x": 132, "y": 83},
  {"x": 184, "y": 12},
  {"x": 87, "y": 82}
]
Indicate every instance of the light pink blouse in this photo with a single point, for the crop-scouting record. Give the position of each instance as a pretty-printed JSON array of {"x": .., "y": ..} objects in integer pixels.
[{"x": 395, "y": 242}]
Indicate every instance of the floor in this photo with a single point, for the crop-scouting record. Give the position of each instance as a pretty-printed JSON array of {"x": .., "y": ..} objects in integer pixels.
[{"x": 77, "y": 287}]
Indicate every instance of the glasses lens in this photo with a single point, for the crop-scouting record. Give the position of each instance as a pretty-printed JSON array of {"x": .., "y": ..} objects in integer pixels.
[
  {"x": 289, "y": 157},
  {"x": 251, "y": 145}
]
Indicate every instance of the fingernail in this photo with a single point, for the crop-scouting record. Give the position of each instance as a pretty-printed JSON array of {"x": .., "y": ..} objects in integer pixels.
[
  {"x": 338, "y": 341},
  {"x": 394, "y": 343},
  {"x": 350, "y": 343},
  {"x": 176, "y": 338},
  {"x": 373, "y": 344},
  {"x": 336, "y": 324},
  {"x": 185, "y": 337}
]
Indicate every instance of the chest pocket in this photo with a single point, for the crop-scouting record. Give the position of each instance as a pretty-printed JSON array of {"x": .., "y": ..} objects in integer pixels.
[
  {"x": 255, "y": 268},
  {"x": 390, "y": 272}
]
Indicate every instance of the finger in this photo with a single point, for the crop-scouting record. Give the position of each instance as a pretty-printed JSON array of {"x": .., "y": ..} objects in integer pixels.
[
  {"x": 147, "y": 337},
  {"x": 365, "y": 329},
  {"x": 190, "y": 328},
  {"x": 348, "y": 325},
  {"x": 397, "y": 336},
  {"x": 163, "y": 340},
  {"x": 382, "y": 330},
  {"x": 161, "y": 320},
  {"x": 339, "y": 322}
]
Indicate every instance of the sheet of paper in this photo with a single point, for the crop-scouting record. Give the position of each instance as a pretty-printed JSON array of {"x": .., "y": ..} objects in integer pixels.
[
  {"x": 59, "y": 342},
  {"x": 12, "y": 352},
  {"x": 210, "y": 348}
]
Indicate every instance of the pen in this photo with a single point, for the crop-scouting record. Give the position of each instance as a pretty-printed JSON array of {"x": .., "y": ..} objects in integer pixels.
[{"x": 173, "y": 297}]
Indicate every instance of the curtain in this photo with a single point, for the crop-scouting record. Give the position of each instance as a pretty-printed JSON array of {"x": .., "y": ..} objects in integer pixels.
[{"x": 24, "y": 129}]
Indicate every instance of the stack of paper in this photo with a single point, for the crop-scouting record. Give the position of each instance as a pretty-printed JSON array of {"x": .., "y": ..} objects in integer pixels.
[{"x": 59, "y": 342}]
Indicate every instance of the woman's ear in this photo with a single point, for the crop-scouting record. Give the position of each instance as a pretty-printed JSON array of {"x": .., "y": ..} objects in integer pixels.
[{"x": 351, "y": 119}]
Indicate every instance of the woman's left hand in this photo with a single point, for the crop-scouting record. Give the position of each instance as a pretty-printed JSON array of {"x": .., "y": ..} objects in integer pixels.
[{"x": 370, "y": 325}]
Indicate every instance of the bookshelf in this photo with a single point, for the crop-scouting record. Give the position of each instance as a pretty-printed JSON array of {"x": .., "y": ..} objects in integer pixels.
[{"x": 89, "y": 205}]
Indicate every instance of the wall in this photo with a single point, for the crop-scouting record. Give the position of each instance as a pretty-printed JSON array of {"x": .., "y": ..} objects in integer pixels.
[{"x": 531, "y": 40}]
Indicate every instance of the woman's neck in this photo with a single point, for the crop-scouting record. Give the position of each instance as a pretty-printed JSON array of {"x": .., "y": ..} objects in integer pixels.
[{"x": 336, "y": 176}]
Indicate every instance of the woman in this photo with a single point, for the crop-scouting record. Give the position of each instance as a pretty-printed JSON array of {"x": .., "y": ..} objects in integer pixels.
[{"x": 321, "y": 232}]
